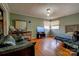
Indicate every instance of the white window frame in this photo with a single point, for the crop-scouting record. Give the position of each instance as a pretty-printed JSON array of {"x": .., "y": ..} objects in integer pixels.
[{"x": 55, "y": 25}]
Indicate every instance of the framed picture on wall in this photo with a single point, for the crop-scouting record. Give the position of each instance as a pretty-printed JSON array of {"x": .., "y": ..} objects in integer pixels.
[
  {"x": 72, "y": 28},
  {"x": 21, "y": 25}
]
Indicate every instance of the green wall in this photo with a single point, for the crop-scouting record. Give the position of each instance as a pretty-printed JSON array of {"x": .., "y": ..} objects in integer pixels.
[
  {"x": 30, "y": 26},
  {"x": 68, "y": 20},
  {"x": 16, "y": 17}
]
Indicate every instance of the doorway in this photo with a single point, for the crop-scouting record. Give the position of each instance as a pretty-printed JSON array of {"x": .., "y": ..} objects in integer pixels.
[{"x": 1, "y": 22}]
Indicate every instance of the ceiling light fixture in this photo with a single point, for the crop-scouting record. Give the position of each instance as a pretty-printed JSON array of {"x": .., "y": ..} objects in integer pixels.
[
  {"x": 48, "y": 14},
  {"x": 48, "y": 11}
]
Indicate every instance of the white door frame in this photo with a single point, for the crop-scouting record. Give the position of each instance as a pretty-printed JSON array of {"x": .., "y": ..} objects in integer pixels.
[{"x": 5, "y": 9}]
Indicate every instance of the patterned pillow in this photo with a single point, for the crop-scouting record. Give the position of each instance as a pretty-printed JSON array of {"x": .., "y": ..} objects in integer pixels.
[{"x": 10, "y": 40}]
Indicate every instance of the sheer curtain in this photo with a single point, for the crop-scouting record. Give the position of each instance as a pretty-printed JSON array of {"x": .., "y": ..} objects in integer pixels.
[
  {"x": 51, "y": 26},
  {"x": 47, "y": 27}
]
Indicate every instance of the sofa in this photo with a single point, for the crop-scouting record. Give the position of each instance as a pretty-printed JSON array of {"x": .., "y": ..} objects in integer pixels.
[
  {"x": 68, "y": 40},
  {"x": 11, "y": 46}
]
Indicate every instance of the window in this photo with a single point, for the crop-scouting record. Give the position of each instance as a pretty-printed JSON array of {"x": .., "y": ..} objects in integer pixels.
[
  {"x": 55, "y": 24},
  {"x": 51, "y": 24}
]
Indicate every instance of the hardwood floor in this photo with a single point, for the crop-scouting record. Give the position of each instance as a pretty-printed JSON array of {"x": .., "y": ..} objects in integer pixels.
[
  {"x": 46, "y": 46},
  {"x": 51, "y": 47}
]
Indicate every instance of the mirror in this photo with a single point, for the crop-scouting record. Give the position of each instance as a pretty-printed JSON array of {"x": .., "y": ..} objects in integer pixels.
[{"x": 21, "y": 25}]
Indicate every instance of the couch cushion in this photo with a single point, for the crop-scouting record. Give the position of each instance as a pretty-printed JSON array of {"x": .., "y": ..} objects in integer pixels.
[{"x": 9, "y": 40}]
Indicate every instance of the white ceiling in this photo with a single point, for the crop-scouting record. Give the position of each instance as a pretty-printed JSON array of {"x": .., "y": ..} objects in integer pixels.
[{"x": 39, "y": 9}]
